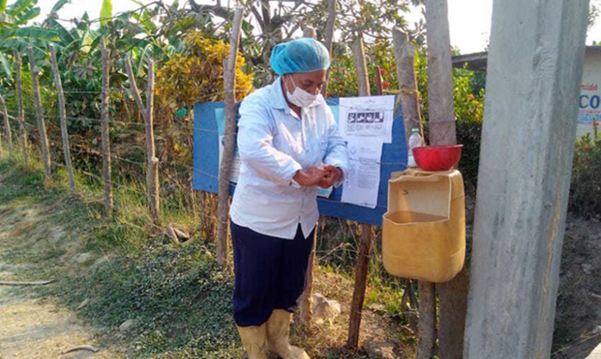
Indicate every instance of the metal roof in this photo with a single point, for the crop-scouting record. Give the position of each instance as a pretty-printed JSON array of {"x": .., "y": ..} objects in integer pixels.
[{"x": 477, "y": 60}]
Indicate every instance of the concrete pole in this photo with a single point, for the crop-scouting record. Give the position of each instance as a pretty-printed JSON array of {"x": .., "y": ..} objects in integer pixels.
[{"x": 534, "y": 72}]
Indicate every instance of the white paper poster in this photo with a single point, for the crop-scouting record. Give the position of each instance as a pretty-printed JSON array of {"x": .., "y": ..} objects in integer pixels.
[
  {"x": 362, "y": 181},
  {"x": 361, "y": 117}
]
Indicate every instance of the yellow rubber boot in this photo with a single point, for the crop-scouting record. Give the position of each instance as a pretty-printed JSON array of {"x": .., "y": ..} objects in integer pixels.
[
  {"x": 254, "y": 339},
  {"x": 278, "y": 331}
]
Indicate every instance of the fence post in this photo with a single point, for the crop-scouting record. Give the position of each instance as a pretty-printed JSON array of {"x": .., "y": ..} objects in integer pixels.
[
  {"x": 366, "y": 229},
  {"x": 146, "y": 111},
  {"x": 104, "y": 130},
  {"x": 21, "y": 114},
  {"x": 229, "y": 145},
  {"x": 309, "y": 31},
  {"x": 39, "y": 114},
  {"x": 6, "y": 123},
  {"x": 329, "y": 38},
  {"x": 63, "y": 119},
  {"x": 306, "y": 299},
  {"x": 404, "y": 53},
  {"x": 453, "y": 294}
]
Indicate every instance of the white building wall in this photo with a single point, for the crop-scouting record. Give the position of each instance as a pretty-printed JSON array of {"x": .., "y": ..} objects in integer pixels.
[{"x": 590, "y": 92}]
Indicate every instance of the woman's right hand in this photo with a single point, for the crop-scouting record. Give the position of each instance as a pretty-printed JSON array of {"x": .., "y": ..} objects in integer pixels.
[{"x": 311, "y": 177}]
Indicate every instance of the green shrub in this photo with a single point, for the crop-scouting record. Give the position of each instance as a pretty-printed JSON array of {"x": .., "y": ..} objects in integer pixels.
[{"x": 585, "y": 192}]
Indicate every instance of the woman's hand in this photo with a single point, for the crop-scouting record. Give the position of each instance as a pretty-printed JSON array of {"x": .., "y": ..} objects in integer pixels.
[
  {"x": 312, "y": 177},
  {"x": 333, "y": 175}
]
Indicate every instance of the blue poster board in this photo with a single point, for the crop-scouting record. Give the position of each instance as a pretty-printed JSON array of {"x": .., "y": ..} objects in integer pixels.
[{"x": 208, "y": 129}]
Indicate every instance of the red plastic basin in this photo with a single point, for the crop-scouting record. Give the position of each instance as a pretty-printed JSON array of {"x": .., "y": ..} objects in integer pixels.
[{"x": 437, "y": 158}]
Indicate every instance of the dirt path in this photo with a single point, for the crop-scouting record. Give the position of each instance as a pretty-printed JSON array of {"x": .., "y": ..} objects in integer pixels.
[
  {"x": 36, "y": 328},
  {"x": 34, "y": 325}
]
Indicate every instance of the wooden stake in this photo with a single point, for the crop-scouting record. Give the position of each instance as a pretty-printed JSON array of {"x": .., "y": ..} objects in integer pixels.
[
  {"x": 404, "y": 53},
  {"x": 147, "y": 113},
  {"x": 360, "y": 66},
  {"x": 366, "y": 229},
  {"x": 104, "y": 130},
  {"x": 229, "y": 145},
  {"x": 309, "y": 32},
  {"x": 427, "y": 320},
  {"x": 329, "y": 38},
  {"x": 360, "y": 284},
  {"x": 440, "y": 75},
  {"x": 453, "y": 294},
  {"x": 6, "y": 123},
  {"x": 63, "y": 117},
  {"x": 39, "y": 114},
  {"x": 21, "y": 113},
  {"x": 306, "y": 299}
]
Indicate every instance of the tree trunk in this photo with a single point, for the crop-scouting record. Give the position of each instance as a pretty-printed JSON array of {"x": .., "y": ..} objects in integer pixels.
[
  {"x": 306, "y": 299},
  {"x": 152, "y": 177},
  {"x": 360, "y": 284},
  {"x": 229, "y": 146},
  {"x": 427, "y": 320},
  {"x": 440, "y": 75},
  {"x": 6, "y": 123},
  {"x": 21, "y": 115},
  {"x": 63, "y": 117},
  {"x": 104, "y": 130},
  {"x": 153, "y": 162},
  {"x": 366, "y": 229},
  {"x": 40, "y": 115},
  {"x": 329, "y": 38},
  {"x": 309, "y": 32},
  {"x": 360, "y": 66},
  {"x": 404, "y": 53},
  {"x": 453, "y": 294}
]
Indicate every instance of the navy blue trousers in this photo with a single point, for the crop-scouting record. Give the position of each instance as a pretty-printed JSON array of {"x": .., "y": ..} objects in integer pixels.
[{"x": 270, "y": 273}]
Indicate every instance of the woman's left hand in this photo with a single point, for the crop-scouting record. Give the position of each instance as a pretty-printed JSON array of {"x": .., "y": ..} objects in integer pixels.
[{"x": 333, "y": 174}]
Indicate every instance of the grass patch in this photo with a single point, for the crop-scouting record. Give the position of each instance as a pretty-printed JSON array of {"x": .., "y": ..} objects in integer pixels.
[{"x": 128, "y": 269}]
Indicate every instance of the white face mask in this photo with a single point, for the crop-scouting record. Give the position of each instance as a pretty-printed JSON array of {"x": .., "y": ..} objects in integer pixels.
[{"x": 300, "y": 97}]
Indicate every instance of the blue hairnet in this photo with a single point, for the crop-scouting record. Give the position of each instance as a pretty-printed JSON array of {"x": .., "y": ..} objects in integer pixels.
[{"x": 302, "y": 55}]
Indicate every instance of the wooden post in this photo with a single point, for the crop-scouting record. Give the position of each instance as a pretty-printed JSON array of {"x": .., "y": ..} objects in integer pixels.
[
  {"x": 229, "y": 145},
  {"x": 453, "y": 294},
  {"x": 533, "y": 82},
  {"x": 309, "y": 32},
  {"x": 63, "y": 117},
  {"x": 405, "y": 62},
  {"x": 6, "y": 123},
  {"x": 306, "y": 299},
  {"x": 147, "y": 113},
  {"x": 104, "y": 130},
  {"x": 39, "y": 114},
  {"x": 426, "y": 326},
  {"x": 440, "y": 75},
  {"x": 360, "y": 66},
  {"x": 329, "y": 38},
  {"x": 404, "y": 53},
  {"x": 366, "y": 229},
  {"x": 21, "y": 113}
]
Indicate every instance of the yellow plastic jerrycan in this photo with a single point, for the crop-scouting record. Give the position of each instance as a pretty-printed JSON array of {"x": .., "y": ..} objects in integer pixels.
[{"x": 423, "y": 232}]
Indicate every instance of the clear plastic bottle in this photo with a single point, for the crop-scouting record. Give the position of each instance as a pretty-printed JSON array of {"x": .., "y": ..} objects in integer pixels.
[{"x": 414, "y": 141}]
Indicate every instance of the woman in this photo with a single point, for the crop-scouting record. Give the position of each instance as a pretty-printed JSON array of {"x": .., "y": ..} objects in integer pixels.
[{"x": 289, "y": 144}]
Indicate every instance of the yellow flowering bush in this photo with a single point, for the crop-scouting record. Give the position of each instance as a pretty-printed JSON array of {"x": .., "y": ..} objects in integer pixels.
[{"x": 196, "y": 74}]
